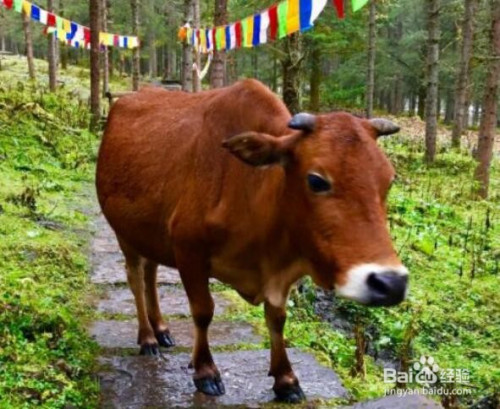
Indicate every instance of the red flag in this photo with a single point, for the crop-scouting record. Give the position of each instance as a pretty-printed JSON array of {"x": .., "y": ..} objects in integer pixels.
[
  {"x": 237, "y": 28},
  {"x": 273, "y": 21},
  {"x": 214, "y": 44},
  {"x": 86, "y": 34},
  {"x": 116, "y": 40},
  {"x": 8, "y": 3},
  {"x": 339, "y": 5},
  {"x": 51, "y": 20}
]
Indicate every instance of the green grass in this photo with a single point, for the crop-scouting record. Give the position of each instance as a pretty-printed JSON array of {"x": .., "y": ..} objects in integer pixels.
[{"x": 46, "y": 167}]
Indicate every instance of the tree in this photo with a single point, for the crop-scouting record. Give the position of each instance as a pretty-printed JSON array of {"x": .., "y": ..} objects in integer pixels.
[
  {"x": 490, "y": 103},
  {"x": 431, "y": 102},
  {"x": 463, "y": 75},
  {"x": 29, "y": 45},
  {"x": 51, "y": 53},
  {"x": 370, "y": 76},
  {"x": 218, "y": 72},
  {"x": 95, "y": 96},
  {"x": 292, "y": 64},
  {"x": 187, "y": 51},
  {"x": 136, "y": 59}
]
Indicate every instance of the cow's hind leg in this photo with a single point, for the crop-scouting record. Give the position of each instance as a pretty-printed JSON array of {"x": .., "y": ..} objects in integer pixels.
[
  {"x": 134, "y": 264},
  {"x": 156, "y": 320},
  {"x": 194, "y": 275},
  {"x": 286, "y": 385}
]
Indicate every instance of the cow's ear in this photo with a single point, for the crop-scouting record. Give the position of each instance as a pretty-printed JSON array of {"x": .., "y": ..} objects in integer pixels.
[
  {"x": 383, "y": 126},
  {"x": 260, "y": 149}
]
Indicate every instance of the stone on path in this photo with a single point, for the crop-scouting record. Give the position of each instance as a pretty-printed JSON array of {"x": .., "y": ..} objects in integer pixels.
[
  {"x": 123, "y": 334},
  {"x": 148, "y": 382}
]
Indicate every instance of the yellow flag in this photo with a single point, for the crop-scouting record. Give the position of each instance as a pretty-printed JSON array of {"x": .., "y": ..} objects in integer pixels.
[
  {"x": 67, "y": 26},
  {"x": 293, "y": 17},
  {"x": 61, "y": 35},
  {"x": 27, "y": 8}
]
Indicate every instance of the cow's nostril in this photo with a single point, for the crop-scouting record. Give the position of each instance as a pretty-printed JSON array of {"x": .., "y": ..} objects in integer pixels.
[
  {"x": 387, "y": 288},
  {"x": 378, "y": 283}
]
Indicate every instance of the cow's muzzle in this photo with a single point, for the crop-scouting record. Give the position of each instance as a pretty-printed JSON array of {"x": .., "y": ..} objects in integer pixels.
[{"x": 375, "y": 285}]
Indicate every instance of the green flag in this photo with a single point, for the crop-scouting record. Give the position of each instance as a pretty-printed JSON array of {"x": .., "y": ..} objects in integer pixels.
[
  {"x": 282, "y": 16},
  {"x": 358, "y": 4},
  {"x": 18, "y": 5},
  {"x": 244, "y": 31}
]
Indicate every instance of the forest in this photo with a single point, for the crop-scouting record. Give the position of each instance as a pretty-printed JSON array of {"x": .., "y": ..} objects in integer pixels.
[{"x": 431, "y": 66}]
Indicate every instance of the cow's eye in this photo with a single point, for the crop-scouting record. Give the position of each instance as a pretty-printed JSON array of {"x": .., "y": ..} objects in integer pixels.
[{"x": 318, "y": 183}]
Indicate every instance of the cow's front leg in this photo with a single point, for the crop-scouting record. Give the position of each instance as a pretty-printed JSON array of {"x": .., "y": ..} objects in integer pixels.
[
  {"x": 286, "y": 385},
  {"x": 194, "y": 277}
]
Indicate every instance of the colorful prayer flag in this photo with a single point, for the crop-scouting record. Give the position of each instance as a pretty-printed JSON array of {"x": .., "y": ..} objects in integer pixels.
[
  {"x": 358, "y": 4},
  {"x": 18, "y": 5},
  {"x": 264, "y": 25},
  {"x": 27, "y": 8},
  {"x": 249, "y": 33},
  {"x": 339, "y": 6},
  {"x": 227, "y": 34},
  {"x": 8, "y": 3},
  {"x": 238, "y": 32},
  {"x": 317, "y": 8},
  {"x": 282, "y": 18},
  {"x": 293, "y": 17},
  {"x": 256, "y": 30},
  {"x": 35, "y": 12},
  {"x": 273, "y": 21},
  {"x": 305, "y": 9},
  {"x": 43, "y": 16}
]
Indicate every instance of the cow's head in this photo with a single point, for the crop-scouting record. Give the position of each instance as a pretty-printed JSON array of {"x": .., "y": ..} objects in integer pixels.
[{"x": 336, "y": 184}]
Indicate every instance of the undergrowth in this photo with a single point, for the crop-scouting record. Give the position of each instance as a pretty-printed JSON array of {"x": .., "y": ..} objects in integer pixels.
[{"x": 46, "y": 160}]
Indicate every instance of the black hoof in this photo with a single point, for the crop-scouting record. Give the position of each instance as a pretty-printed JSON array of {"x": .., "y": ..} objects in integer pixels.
[
  {"x": 212, "y": 386},
  {"x": 290, "y": 394},
  {"x": 149, "y": 350},
  {"x": 165, "y": 339}
]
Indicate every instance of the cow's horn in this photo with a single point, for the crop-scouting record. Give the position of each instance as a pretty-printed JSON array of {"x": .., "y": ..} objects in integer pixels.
[
  {"x": 303, "y": 122},
  {"x": 384, "y": 126}
]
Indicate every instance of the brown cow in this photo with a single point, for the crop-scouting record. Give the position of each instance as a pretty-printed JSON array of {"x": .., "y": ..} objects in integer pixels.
[{"x": 227, "y": 184}]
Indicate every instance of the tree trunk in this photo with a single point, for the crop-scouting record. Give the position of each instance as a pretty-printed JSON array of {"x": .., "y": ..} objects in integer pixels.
[
  {"x": 449, "y": 108},
  {"x": 489, "y": 115},
  {"x": 136, "y": 59},
  {"x": 370, "y": 75},
  {"x": 315, "y": 80},
  {"x": 187, "y": 51},
  {"x": 217, "y": 73},
  {"x": 197, "y": 59},
  {"x": 95, "y": 94},
  {"x": 421, "y": 102},
  {"x": 153, "y": 63},
  {"x": 51, "y": 53},
  {"x": 106, "y": 5},
  {"x": 291, "y": 64},
  {"x": 431, "y": 103},
  {"x": 463, "y": 75},
  {"x": 29, "y": 45}
]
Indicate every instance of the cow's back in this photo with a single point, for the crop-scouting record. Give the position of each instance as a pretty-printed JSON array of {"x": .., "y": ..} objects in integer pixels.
[{"x": 161, "y": 151}]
